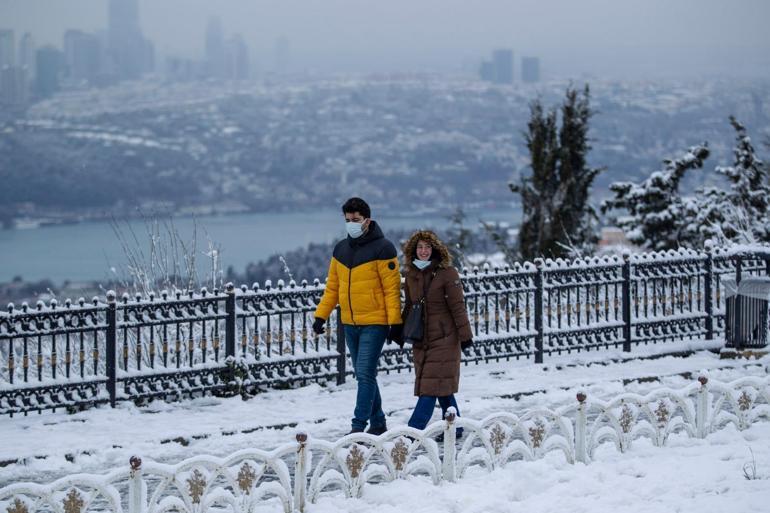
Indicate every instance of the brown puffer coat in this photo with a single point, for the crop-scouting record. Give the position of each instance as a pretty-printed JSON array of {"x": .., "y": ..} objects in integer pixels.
[{"x": 437, "y": 358}]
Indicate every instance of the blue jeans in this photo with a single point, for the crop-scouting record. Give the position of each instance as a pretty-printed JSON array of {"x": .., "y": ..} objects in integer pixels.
[
  {"x": 423, "y": 410},
  {"x": 365, "y": 345}
]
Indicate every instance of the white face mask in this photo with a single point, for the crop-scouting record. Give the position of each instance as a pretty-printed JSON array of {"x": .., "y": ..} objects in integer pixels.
[
  {"x": 421, "y": 264},
  {"x": 355, "y": 230}
]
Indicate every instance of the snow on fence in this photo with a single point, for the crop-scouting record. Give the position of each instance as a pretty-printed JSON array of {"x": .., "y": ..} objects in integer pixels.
[
  {"x": 246, "y": 339},
  {"x": 291, "y": 476}
]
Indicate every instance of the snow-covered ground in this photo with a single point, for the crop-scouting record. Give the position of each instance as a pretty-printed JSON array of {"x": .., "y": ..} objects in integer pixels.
[
  {"x": 686, "y": 475},
  {"x": 44, "y": 447}
]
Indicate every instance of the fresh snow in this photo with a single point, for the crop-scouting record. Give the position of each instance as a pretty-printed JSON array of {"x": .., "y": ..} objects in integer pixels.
[
  {"x": 44, "y": 447},
  {"x": 688, "y": 475}
]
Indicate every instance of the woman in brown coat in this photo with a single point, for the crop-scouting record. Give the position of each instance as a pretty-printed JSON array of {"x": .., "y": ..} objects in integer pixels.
[{"x": 446, "y": 331}]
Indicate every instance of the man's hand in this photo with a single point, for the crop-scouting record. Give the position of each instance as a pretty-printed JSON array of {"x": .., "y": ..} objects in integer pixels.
[
  {"x": 318, "y": 326},
  {"x": 466, "y": 344},
  {"x": 396, "y": 334}
]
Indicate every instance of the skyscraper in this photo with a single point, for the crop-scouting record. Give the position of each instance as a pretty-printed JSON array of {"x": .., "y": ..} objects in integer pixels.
[
  {"x": 27, "y": 54},
  {"x": 127, "y": 47},
  {"x": 13, "y": 86},
  {"x": 49, "y": 64},
  {"x": 82, "y": 55},
  {"x": 530, "y": 69},
  {"x": 237, "y": 59},
  {"x": 487, "y": 71},
  {"x": 503, "y": 64},
  {"x": 215, "y": 49},
  {"x": 7, "y": 48}
]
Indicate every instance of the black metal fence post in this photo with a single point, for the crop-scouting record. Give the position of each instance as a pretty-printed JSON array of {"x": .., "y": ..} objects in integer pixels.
[
  {"x": 111, "y": 341},
  {"x": 230, "y": 321},
  {"x": 341, "y": 358},
  {"x": 539, "y": 311},
  {"x": 737, "y": 314},
  {"x": 708, "y": 301},
  {"x": 626, "y": 292}
]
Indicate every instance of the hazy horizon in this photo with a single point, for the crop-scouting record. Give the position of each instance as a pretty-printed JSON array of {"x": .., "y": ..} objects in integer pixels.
[{"x": 651, "y": 39}]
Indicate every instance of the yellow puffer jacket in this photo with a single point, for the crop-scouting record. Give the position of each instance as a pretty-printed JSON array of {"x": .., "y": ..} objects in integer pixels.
[{"x": 364, "y": 280}]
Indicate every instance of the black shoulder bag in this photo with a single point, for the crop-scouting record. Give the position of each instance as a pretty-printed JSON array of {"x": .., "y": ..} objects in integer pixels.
[{"x": 414, "y": 325}]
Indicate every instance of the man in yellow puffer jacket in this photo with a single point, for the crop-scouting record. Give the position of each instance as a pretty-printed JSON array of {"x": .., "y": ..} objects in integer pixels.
[{"x": 364, "y": 280}]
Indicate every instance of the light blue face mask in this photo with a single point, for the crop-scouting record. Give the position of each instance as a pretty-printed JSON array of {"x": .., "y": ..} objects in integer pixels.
[
  {"x": 421, "y": 264},
  {"x": 355, "y": 230}
]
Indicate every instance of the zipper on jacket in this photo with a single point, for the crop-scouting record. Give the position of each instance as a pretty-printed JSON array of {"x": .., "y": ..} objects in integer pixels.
[{"x": 350, "y": 299}]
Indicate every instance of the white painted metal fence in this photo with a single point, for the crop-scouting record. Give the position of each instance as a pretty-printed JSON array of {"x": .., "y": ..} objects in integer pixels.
[{"x": 294, "y": 475}]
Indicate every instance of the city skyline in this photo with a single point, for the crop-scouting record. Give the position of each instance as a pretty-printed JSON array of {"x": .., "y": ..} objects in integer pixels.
[{"x": 598, "y": 37}]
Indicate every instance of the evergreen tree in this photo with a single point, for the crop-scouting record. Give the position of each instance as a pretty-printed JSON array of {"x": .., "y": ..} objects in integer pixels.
[
  {"x": 557, "y": 219},
  {"x": 578, "y": 218},
  {"x": 657, "y": 216},
  {"x": 739, "y": 214}
]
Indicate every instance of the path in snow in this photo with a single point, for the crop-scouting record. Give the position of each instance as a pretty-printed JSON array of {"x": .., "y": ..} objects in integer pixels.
[{"x": 44, "y": 447}]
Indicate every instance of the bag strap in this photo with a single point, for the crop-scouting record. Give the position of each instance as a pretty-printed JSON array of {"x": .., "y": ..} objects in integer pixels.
[{"x": 426, "y": 286}]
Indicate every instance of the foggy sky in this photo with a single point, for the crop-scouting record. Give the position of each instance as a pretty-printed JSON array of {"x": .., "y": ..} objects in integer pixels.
[{"x": 605, "y": 38}]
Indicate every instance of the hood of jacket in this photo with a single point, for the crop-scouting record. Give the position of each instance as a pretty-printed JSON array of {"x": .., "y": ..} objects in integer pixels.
[{"x": 440, "y": 255}]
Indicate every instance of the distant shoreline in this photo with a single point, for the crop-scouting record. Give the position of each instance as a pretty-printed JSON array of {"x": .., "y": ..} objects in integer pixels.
[{"x": 46, "y": 220}]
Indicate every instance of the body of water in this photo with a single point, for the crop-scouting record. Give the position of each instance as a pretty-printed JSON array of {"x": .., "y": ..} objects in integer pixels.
[{"x": 88, "y": 251}]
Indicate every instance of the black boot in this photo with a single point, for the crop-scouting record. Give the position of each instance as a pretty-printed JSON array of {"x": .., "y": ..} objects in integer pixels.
[
  {"x": 458, "y": 435},
  {"x": 377, "y": 430},
  {"x": 355, "y": 430}
]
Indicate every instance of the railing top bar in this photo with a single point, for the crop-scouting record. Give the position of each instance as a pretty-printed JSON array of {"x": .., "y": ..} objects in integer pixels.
[
  {"x": 179, "y": 297},
  {"x": 582, "y": 263},
  {"x": 742, "y": 250},
  {"x": 53, "y": 307},
  {"x": 494, "y": 273},
  {"x": 244, "y": 292},
  {"x": 168, "y": 304},
  {"x": 667, "y": 256},
  {"x": 486, "y": 272}
]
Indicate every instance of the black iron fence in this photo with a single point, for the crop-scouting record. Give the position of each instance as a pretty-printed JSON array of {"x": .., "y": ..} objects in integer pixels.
[{"x": 247, "y": 339}]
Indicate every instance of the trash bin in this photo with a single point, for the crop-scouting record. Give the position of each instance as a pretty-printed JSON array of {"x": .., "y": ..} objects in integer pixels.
[{"x": 746, "y": 312}]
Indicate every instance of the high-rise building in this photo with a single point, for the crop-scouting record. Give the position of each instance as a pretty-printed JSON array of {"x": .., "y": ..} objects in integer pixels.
[
  {"x": 48, "y": 61},
  {"x": 27, "y": 54},
  {"x": 237, "y": 59},
  {"x": 127, "y": 47},
  {"x": 530, "y": 69},
  {"x": 82, "y": 56},
  {"x": 503, "y": 63},
  {"x": 215, "y": 49},
  {"x": 7, "y": 48},
  {"x": 487, "y": 71},
  {"x": 13, "y": 86}
]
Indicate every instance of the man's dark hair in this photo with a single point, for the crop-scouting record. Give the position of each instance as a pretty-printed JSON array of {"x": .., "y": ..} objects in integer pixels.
[{"x": 354, "y": 205}]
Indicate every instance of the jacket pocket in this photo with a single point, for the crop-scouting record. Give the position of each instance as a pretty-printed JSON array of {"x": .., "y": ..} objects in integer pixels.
[{"x": 375, "y": 300}]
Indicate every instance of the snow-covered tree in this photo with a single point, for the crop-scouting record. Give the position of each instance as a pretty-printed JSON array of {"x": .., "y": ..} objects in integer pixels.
[
  {"x": 557, "y": 217},
  {"x": 657, "y": 217},
  {"x": 742, "y": 213}
]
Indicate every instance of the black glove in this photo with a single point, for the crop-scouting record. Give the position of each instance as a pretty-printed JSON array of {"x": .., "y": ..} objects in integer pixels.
[
  {"x": 318, "y": 326},
  {"x": 396, "y": 334},
  {"x": 466, "y": 344}
]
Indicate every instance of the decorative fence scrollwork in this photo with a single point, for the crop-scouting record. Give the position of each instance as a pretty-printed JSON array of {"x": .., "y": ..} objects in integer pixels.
[
  {"x": 299, "y": 473},
  {"x": 242, "y": 340}
]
